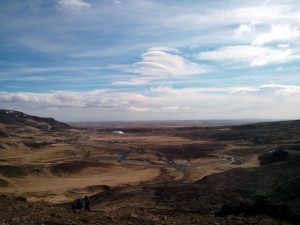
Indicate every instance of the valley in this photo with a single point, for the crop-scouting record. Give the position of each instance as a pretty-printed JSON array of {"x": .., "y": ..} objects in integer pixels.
[{"x": 194, "y": 170}]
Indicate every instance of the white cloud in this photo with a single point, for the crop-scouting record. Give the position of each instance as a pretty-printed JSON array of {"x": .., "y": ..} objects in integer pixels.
[
  {"x": 58, "y": 98},
  {"x": 101, "y": 99},
  {"x": 252, "y": 55},
  {"x": 244, "y": 28},
  {"x": 140, "y": 109},
  {"x": 268, "y": 89},
  {"x": 165, "y": 90},
  {"x": 277, "y": 33},
  {"x": 158, "y": 63},
  {"x": 163, "y": 62},
  {"x": 170, "y": 108},
  {"x": 283, "y": 45},
  {"x": 165, "y": 49},
  {"x": 136, "y": 81},
  {"x": 74, "y": 5}
]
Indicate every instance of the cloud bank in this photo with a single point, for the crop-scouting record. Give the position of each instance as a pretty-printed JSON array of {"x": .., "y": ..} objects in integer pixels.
[{"x": 166, "y": 102}]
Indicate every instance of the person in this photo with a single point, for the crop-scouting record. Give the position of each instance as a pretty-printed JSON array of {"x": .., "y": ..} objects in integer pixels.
[
  {"x": 77, "y": 204},
  {"x": 87, "y": 204},
  {"x": 74, "y": 205}
]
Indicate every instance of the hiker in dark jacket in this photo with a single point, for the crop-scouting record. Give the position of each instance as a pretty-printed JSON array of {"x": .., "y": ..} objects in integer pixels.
[{"x": 77, "y": 204}]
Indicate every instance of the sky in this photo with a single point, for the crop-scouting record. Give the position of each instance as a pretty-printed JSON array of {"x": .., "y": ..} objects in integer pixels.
[{"x": 104, "y": 60}]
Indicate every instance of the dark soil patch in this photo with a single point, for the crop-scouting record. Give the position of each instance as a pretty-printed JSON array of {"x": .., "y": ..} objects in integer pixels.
[
  {"x": 3, "y": 183},
  {"x": 260, "y": 206},
  {"x": 189, "y": 151},
  {"x": 12, "y": 171},
  {"x": 98, "y": 188},
  {"x": 74, "y": 167},
  {"x": 3, "y": 134}
]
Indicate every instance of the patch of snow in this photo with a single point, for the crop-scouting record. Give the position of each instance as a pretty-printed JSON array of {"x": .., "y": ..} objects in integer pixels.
[
  {"x": 274, "y": 150},
  {"x": 117, "y": 132}
]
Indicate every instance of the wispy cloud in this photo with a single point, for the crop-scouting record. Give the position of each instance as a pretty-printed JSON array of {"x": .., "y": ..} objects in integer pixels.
[
  {"x": 74, "y": 5},
  {"x": 262, "y": 13},
  {"x": 136, "y": 81},
  {"x": 268, "y": 89},
  {"x": 116, "y": 2},
  {"x": 43, "y": 45},
  {"x": 22, "y": 73}
]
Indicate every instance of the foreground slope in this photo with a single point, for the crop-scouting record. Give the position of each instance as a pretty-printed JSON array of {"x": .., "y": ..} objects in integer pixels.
[{"x": 268, "y": 195}]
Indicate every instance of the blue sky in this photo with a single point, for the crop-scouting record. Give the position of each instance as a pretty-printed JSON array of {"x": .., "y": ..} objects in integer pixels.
[{"x": 79, "y": 60}]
